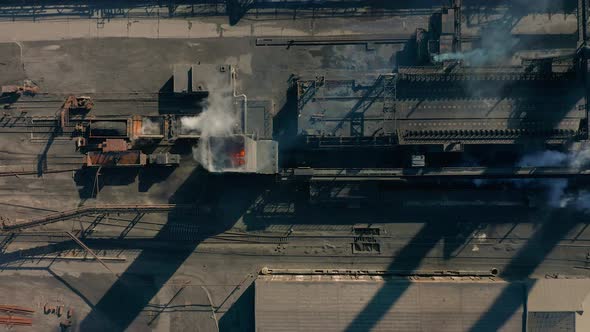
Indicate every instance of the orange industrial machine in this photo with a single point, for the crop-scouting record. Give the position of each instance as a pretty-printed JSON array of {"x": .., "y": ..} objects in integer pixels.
[
  {"x": 74, "y": 105},
  {"x": 129, "y": 158},
  {"x": 28, "y": 89},
  {"x": 132, "y": 158},
  {"x": 11, "y": 93},
  {"x": 148, "y": 127}
]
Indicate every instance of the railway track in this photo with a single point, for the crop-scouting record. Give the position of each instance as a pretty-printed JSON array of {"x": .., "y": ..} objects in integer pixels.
[
  {"x": 104, "y": 96},
  {"x": 52, "y": 104},
  {"x": 34, "y": 172},
  {"x": 55, "y": 237},
  {"x": 16, "y": 225},
  {"x": 295, "y": 249}
]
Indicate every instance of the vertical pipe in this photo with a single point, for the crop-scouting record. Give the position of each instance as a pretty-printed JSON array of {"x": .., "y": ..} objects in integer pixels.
[{"x": 245, "y": 120}]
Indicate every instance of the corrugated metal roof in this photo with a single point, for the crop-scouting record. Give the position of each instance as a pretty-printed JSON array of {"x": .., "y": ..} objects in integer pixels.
[
  {"x": 302, "y": 304},
  {"x": 558, "y": 295},
  {"x": 551, "y": 322}
]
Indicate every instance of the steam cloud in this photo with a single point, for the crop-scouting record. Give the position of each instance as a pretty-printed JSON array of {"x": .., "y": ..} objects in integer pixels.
[
  {"x": 556, "y": 188},
  {"x": 218, "y": 119},
  {"x": 576, "y": 159},
  {"x": 497, "y": 44},
  {"x": 547, "y": 158},
  {"x": 209, "y": 123},
  {"x": 496, "y": 47},
  {"x": 149, "y": 127}
]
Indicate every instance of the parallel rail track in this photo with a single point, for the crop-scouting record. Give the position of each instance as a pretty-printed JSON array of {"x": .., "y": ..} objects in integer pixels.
[
  {"x": 95, "y": 209},
  {"x": 394, "y": 174}
]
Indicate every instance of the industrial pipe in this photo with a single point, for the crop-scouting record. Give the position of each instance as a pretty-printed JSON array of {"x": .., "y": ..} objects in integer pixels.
[{"x": 233, "y": 78}]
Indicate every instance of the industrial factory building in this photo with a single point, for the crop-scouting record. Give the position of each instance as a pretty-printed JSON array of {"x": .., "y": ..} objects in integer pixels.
[
  {"x": 333, "y": 303},
  {"x": 341, "y": 302},
  {"x": 290, "y": 165}
]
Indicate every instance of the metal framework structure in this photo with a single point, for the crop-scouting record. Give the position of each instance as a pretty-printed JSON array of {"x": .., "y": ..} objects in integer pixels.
[
  {"x": 396, "y": 174},
  {"x": 234, "y": 9}
]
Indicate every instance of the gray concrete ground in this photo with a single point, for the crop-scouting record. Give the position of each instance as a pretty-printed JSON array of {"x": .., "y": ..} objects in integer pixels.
[{"x": 194, "y": 277}]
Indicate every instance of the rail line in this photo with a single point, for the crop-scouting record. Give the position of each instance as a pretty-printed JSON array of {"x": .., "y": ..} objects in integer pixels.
[
  {"x": 282, "y": 238},
  {"x": 104, "y": 96},
  {"x": 85, "y": 210},
  {"x": 48, "y": 171},
  {"x": 114, "y": 247}
]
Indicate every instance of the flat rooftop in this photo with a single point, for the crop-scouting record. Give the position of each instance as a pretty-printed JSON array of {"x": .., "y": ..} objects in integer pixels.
[{"x": 332, "y": 303}]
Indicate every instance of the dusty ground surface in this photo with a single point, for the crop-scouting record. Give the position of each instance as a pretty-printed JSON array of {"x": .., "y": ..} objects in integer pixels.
[{"x": 175, "y": 272}]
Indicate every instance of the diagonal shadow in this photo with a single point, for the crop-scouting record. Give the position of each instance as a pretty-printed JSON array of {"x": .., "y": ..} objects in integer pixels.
[
  {"x": 542, "y": 242},
  {"x": 133, "y": 290},
  {"x": 408, "y": 259},
  {"x": 456, "y": 237},
  {"x": 42, "y": 158},
  {"x": 372, "y": 93},
  {"x": 523, "y": 264},
  {"x": 70, "y": 287},
  {"x": 148, "y": 273}
]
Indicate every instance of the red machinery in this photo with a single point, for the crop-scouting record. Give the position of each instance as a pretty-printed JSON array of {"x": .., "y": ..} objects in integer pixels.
[
  {"x": 28, "y": 89},
  {"x": 73, "y": 104}
]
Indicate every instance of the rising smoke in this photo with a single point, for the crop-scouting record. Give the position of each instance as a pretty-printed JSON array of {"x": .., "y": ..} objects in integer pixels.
[
  {"x": 547, "y": 158},
  {"x": 219, "y": 118},
  {"x": 209, "y": 123},
  {"x": 578, "y": 158},
  {"x": 149, "y": 127},
  {"x": 556, "y": 188},
  {"x": 496, "y": 46},
  {"x": 497, "y": 42}
]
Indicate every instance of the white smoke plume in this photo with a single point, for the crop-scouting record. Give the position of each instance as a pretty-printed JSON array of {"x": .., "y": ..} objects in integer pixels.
[
  {"x": 219, "y": 118},
  {"x": 481, "y": 56},
  {"x": 580, "y": 201},
  {"x": 496, "y": 46},
  {"x": 578, "y": 158},
  {"x": 497, "y": 42},
  {"x": 556, "y": 192},
  {"x": 149, "y": 127},
  {"x": 209, "y": 123},
  {"x": 547, "y": 158},
  {"x": 556, "y": 188}
]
